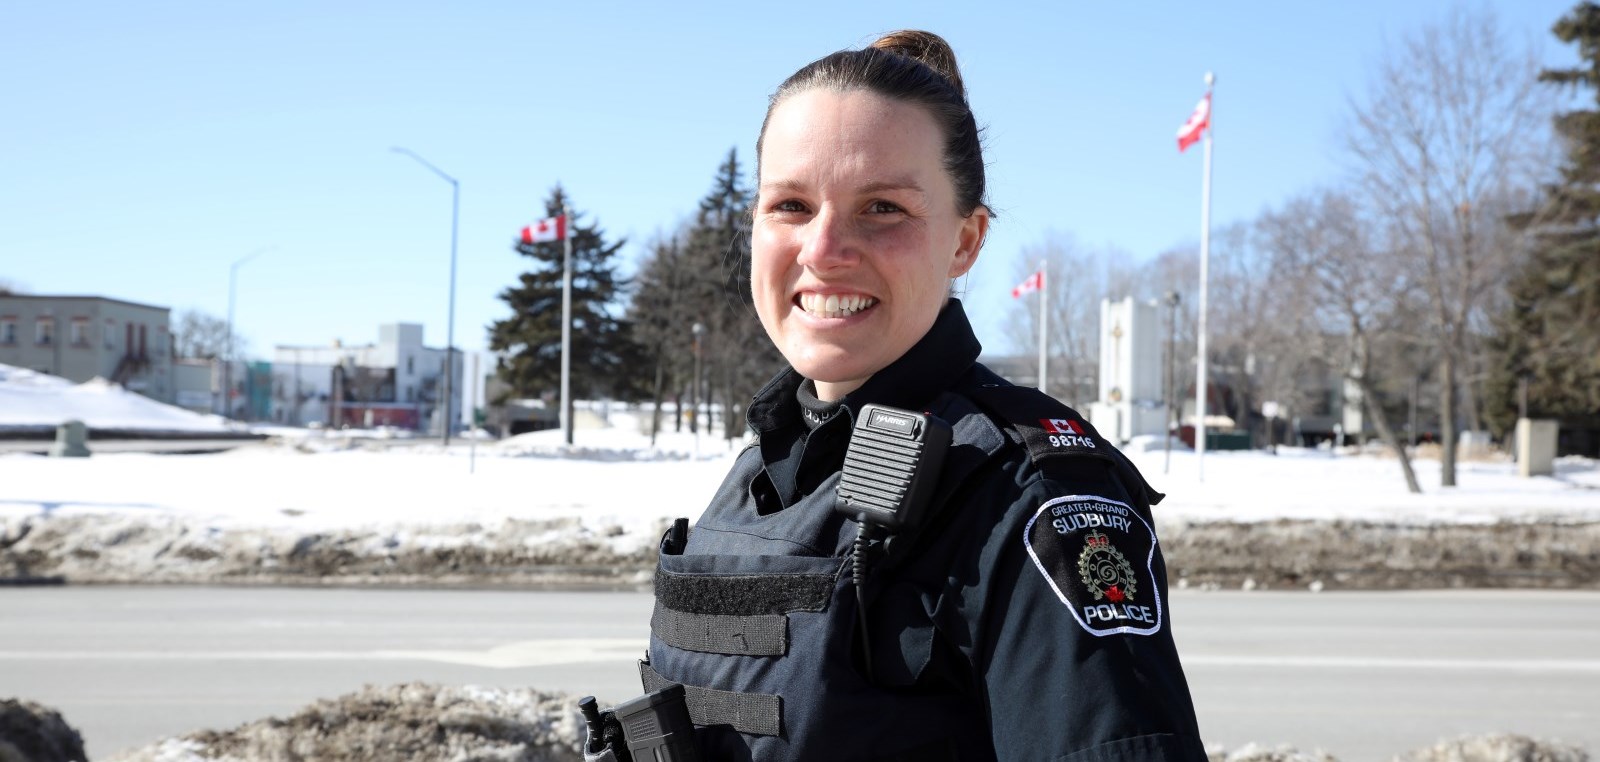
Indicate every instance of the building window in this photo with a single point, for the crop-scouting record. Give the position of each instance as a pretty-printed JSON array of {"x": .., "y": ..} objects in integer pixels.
[
  {"x": 8, "y": 331},
  {"x": 79, "y": 332},
  {"x": 411, "y": 368},
  {"x": 111, "y": 334},
  {"x": 44, "y": 331}
]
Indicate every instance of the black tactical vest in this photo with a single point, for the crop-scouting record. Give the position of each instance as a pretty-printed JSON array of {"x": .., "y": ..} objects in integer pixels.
[{"x": 756, "y": 616}]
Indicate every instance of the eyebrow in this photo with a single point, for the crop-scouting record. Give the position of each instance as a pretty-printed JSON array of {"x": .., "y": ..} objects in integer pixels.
[{"x": 875, "y": 186}]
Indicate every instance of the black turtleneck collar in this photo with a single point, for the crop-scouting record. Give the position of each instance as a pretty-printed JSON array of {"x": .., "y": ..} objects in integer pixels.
[{"x": 813, "y": 411}]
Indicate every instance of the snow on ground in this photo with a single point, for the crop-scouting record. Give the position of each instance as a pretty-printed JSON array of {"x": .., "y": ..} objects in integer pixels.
[
  {"x": 611, "y": 481},
  {"x": 385, "y": 504},
  {"x": 421, "y": 720},
  {"x": 327, "y": 480},
  {"x": 316, "y": 479},
  {"x": 30, "y": 400},
  {"x": 1321, "y": 484}
]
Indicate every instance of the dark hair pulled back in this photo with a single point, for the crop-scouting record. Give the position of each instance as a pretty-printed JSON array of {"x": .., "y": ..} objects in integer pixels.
[{"x": 912, "y": 66}]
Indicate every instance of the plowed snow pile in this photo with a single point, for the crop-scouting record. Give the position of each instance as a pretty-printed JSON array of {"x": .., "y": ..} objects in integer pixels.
[
  {"x": 370, "y": 508},
  {"x": 417, "y": 721},
  {"x": 357, "y": 508},
  {"x": 413, "y": 721},
  {"x": 30, "y": 400}
]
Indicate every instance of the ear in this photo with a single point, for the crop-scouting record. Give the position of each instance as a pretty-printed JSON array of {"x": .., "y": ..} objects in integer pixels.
[{"x": 974, "y": 229}]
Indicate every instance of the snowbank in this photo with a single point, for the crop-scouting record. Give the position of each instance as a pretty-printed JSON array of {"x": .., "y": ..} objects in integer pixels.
[
  {"x": 326, "y": 506},
  {"x": 422, "y": 721},
  {"x": 32, "y": 401},
  {"x": 409, "y": 721}
]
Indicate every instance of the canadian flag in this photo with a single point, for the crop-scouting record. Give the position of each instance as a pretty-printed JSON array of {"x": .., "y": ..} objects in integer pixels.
[
  {"x": 1195, "y": 128},
  {"x": 546, "y": 230},
  {"x": 1033, "y": 283},
  {"x": 1061, "y": 426}
]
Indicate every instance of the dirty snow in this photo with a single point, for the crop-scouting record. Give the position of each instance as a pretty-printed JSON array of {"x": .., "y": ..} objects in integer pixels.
[
  {"x": 613, "y": 478},
  {"x": 325, "y": 497},
  {"x": 423, "y": 721}
]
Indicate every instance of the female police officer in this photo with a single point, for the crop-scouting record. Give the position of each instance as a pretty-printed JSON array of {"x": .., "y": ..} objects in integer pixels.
[{"x": 1025, "y": 616}]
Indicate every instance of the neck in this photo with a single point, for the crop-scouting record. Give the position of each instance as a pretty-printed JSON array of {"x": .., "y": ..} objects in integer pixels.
[{"x": 833, "y": 391}]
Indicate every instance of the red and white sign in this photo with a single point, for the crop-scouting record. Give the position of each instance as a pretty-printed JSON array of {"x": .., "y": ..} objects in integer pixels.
[
  {"x": 546, "y": 230},
  {"x": 1061, "y": 426},
  {"x": 1033, "y": 283},
  {"x": 1198, "y": 123}
]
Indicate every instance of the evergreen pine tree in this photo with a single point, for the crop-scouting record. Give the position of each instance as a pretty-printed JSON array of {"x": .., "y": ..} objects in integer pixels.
[
  {"x": 1550, "y": 333},
  {"x": 737, "y": 357},
  {"x": 704, "y": 277},
  {"x": 530, "y": 339}
]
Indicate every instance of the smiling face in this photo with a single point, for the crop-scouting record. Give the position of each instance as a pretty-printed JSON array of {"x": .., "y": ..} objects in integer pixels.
[{"x": 856, "y": 233}]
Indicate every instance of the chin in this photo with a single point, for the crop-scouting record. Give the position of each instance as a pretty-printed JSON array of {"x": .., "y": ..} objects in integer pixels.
[{"x": 832, "y": 366}]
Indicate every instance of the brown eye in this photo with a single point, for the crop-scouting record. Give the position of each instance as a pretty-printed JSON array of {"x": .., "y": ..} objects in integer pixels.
[
  {"x": 883, "y": 207},
  {"x": 790, "y": 205}
]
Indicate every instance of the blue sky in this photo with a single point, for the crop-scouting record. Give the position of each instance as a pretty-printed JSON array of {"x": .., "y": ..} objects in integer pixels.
[{"x": 144, "y": 147}]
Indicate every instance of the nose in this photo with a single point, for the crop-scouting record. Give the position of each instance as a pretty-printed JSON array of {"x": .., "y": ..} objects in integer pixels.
[{"x": 828, "y": 243}]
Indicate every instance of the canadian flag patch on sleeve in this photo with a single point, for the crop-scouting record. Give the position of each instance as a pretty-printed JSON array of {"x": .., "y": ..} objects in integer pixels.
[{"x": 1097, "y": 555}]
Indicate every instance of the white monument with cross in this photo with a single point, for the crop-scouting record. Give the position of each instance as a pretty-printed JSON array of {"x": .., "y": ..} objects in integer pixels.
[{"x": 1131, "y": 362}]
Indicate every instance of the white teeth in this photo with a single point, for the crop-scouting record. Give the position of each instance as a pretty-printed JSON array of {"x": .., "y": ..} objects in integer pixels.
[{"x": 834, "y": 305}]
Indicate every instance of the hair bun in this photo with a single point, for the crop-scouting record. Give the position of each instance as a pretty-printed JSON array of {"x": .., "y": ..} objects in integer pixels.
[{"x": 928, "y": 48}]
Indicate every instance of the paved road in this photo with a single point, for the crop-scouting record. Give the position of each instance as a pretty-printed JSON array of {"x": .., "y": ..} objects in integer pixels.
[{"x": 1363, "y": 675}]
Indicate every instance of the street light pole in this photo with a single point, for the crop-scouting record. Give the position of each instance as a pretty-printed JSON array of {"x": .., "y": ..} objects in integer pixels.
[
  {"x": 227, "y": 355},
  {"x": 566, "y": 324},
  {"x": 450, "y": 330},
  {"x": 694, "y": 398}
]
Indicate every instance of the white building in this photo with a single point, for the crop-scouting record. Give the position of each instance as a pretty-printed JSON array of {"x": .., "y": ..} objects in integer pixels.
[
  {"x": 397, "y": 382},
  {"x": 1131, "y": 356}
]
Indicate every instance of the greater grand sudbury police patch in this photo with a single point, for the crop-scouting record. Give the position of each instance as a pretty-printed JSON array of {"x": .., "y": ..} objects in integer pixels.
[{"x": 1097, "y": 554}]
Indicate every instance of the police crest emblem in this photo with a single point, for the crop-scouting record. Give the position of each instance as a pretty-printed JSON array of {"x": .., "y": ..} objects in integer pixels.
[
  {"x": 1099, "y": 557},
  {"x": 1105, "y": 571}
]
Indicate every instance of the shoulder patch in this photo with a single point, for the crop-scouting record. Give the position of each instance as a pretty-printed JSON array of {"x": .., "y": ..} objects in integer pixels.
[
  {"x": 1098, "y": 554},
  {"x": 1047, "y": 427},
  {"x": 1062, "y": 436},
  {"x": 1052, "y": 431}
]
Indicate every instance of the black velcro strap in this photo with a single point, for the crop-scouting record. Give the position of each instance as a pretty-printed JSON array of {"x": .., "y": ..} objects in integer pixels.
[
  {"x": 758, "y": 714},
  {"x": 755, "y": 635},
  {"x": 743, "y": 595}
]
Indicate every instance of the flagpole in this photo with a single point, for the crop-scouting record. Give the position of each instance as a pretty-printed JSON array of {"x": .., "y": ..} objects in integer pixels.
[
  {"x": 566, "y": 324},
  {"x": 1044, "y": 342},
  {"x": 1205, "y": 260}
]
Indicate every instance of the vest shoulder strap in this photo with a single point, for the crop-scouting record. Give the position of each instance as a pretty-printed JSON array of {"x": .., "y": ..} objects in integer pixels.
[{"x": 1054, "y": 434}]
